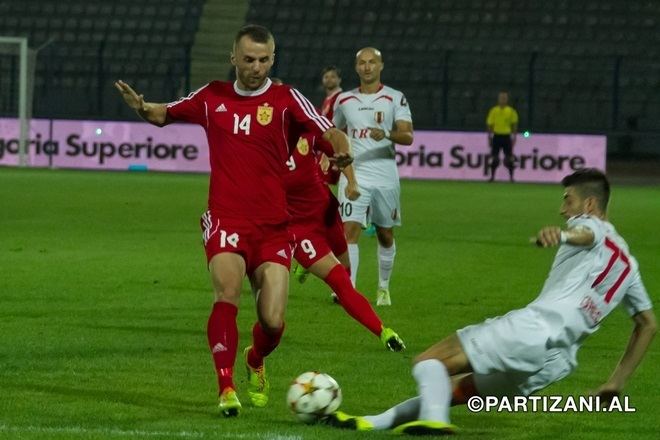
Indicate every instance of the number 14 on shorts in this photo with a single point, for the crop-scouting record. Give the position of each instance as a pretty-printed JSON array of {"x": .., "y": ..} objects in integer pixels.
[{"x": 231, "y": 239}]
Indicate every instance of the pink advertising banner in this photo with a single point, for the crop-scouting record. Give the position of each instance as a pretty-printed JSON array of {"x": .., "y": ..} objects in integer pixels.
[
  {"x": 465, "y": 156},
  {"x": 183, "y": 147},
  {"x": 107, "y": 145}
]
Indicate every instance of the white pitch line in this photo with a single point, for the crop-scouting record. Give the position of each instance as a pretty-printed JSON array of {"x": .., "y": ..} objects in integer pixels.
[{"x": 115, "y": 432}]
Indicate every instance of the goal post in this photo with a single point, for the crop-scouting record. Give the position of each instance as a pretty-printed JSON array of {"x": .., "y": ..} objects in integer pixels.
[{"x": 18, "y": 46}]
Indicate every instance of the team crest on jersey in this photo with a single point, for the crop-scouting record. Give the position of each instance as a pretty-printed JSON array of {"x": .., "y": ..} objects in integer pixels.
[
  {"x": 264, "y": 114},
  {"x": 380, "y": 117},
  {"x": 303, "y": 146}
]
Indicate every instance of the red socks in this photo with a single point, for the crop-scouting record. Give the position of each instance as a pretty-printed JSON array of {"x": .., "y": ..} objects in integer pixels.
[
  {"x": 222, "y": 334},
  {"x": 353, "y": 301},
  {"x": 263, "y": 344}
]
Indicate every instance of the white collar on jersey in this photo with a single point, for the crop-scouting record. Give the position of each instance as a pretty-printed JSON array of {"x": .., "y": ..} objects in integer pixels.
[{"x": 259, "y": 91}]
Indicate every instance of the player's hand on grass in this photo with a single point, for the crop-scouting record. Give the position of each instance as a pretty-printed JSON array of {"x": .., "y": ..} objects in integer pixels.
[
  {"x": 134, "y": 101},
  {"x": 377, "y": 134},
  {"x": 548, "y": 236},
  {"x": 352, "y": 192},
  {"x": 607, "y": 392}
]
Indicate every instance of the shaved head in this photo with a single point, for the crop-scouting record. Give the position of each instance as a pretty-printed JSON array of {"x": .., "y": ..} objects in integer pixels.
[
  {"x": 369, "y": 65},
  {"x": 369, "y": 51}
]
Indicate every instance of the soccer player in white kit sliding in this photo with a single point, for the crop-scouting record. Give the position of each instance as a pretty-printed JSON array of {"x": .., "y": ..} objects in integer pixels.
[
  {"x": 375, "y": 117},
  {"x": 530, "y": 348}
]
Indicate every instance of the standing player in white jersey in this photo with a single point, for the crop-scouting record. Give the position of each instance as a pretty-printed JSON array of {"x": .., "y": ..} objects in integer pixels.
[
  {"x": 530, "y": 348},
  {"x": 375, "y": 117}
]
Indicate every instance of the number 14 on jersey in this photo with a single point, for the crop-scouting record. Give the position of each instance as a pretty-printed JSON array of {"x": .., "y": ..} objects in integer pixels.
[{"x": 242, "y": 124}]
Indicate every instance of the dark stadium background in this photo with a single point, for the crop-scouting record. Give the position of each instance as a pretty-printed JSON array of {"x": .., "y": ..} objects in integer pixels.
[{"x": 571, "y": 66}]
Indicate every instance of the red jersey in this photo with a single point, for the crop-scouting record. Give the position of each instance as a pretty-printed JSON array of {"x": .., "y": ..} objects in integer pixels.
[
  {"x": 331, "y": 177},
  {"x": 327, "y": 109},
  {"x": 248, "y": 149},
  {"x": 306, "y": 191}
]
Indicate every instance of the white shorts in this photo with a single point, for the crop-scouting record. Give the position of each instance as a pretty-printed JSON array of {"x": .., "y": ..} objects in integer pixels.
[
  {"x": 509, "y": 355},
  {"x": 377, "y": 204}
]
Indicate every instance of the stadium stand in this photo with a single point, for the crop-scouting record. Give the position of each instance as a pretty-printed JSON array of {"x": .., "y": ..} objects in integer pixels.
[
  {"x": 570, "y": 66},
  {"x": 89, "y": 43},
  {"x": 484, "y": 45}
]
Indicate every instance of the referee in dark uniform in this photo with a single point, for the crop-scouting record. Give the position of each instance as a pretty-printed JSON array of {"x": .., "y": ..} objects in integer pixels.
[{"x": 502, "y": 123}]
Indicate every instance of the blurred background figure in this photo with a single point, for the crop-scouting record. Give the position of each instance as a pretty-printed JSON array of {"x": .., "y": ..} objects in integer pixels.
[{"x": 502, "y": 123}]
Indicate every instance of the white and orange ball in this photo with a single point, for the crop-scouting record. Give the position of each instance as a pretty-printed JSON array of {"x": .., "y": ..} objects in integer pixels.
[{"x": 313, "y": 395}]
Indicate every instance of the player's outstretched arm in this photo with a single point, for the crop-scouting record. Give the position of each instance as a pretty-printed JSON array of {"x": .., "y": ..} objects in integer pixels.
[
  {"x": 553, "y": 236},
  {"x": 151, "y": 112},
  {"x": 638, "y": 344}
]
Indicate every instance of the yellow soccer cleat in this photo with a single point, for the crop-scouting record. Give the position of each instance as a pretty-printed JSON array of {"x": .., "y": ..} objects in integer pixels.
[
  {"x": 258, "y": 385},
  {"x": 391, "y": 340},
  {"x": 426, "y": 427},
  {"x": 342, "y": 420},
  {"x": 383, "y": 297},
  {"x": 229, "y": 405}
]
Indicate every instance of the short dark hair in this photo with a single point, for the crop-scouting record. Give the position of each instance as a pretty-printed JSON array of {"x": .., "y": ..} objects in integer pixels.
[
  {"x": 255, "y": 32},
  {"x": 330, "y": 69},
  {"x": 590, "y": 182}
]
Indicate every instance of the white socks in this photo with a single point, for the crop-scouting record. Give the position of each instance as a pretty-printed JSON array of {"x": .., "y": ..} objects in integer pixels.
[
  {"x": 385, "y": 265},
  {"x": 434, "y": 389},
  {"x": 432, "y": 403},
  {"x": 402, "y": 413},
  {"x": 354, "y": 258}
]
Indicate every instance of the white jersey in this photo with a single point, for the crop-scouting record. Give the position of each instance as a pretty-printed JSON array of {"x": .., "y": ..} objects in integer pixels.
[
  {"x": 358, "y": 112},
  {"x": 586, "y": 283}
]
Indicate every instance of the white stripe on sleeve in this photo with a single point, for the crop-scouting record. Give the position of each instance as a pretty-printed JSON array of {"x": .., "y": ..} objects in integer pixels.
[{"x": 309, "y": 110}]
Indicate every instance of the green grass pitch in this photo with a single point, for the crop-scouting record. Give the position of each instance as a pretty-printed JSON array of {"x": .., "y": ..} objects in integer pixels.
[{"x": 104, "y": 298}]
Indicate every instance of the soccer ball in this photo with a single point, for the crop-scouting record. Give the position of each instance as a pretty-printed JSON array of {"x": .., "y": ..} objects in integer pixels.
[{"x": 313, "y": 395}]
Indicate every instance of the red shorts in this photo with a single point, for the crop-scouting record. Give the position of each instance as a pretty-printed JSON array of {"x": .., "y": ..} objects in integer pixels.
[
  {"x": 316, "y": 240},
  {"x": 257, "y": 244}
]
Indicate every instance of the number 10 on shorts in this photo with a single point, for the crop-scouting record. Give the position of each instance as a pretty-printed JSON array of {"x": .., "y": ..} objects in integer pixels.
[{"x": 345, "y": 209}]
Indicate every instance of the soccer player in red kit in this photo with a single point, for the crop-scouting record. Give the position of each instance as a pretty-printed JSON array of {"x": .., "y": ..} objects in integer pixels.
[
  {"x": 245, "y": 226},
  {"x": 331, "y": 81},
  {"x": 319, "y": 231}
]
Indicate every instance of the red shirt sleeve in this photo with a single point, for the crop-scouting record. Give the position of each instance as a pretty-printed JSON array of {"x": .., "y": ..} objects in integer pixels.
[
  {"x": 305, "y": 114},
  {"x": 324, "y": 147},
  {"x": 192, "y": 108},
  {"x": 329, "y": 104}
]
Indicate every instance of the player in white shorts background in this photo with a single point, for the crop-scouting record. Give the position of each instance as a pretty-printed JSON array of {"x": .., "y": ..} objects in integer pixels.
[
  {"x": 530, "y": 348},
  {"x": 375, "y": 117}
]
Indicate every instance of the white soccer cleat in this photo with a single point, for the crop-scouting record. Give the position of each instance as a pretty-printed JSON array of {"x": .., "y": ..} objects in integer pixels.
[{"x": 383, "y": 297}]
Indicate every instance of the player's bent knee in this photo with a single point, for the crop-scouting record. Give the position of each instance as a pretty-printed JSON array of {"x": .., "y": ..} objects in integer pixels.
[
  {"x": 352, "y": 231},
  {"x": 272, "y": 326},
  {"x": 385, "y": 237},
  {"x": 228, "y": 294}
]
